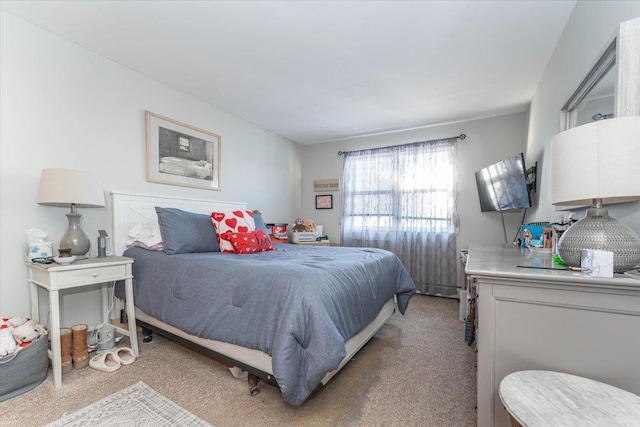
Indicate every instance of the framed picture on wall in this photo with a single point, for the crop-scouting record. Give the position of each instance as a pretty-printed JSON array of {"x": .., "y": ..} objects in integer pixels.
[
  {"x": 324, "y": 202},
  {"x": 180, "y": 154}
]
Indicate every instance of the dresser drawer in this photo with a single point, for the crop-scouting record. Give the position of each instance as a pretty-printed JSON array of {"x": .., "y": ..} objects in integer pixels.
[{"x": 91, "y": 275}]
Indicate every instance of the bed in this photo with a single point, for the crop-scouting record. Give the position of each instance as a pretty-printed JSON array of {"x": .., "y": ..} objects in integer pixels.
[
  {"x": 295, "y": 315},
  {"x": 200, "y": 169}
]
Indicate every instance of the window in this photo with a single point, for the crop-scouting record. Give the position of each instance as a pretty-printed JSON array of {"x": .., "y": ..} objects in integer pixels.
[
  {"x": 405, "y": 188},
  {"x": 403, "y": 199},
  {"x": 184, "y": 144}
]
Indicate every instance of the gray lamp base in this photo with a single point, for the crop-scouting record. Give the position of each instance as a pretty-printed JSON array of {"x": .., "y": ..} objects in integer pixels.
[
  {"x": 599, "y": 231},
  {"x": 74, "y": 238}
]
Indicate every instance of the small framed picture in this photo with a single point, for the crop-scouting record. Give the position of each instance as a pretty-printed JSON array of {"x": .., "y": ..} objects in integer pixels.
[{"x": 324, "y": 202}]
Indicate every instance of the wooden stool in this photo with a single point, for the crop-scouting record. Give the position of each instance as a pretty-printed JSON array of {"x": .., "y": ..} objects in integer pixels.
[{"x": 545, "y": 398}]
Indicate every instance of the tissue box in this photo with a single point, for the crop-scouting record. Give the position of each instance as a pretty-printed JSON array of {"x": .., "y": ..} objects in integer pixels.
[
  {"x": 36, "y": 250},
  {"x": 597, "y": 263}
]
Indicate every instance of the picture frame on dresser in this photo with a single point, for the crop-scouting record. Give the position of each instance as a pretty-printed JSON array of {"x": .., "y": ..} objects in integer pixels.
[{"x": 181, "y": 154}]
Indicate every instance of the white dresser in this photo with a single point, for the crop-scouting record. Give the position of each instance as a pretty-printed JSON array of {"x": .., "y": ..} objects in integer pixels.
[{"x": 556, "y": 320}]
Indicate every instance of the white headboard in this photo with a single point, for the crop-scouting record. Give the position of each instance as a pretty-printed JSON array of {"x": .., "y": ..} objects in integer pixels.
[{"x": 130, "y": 209}]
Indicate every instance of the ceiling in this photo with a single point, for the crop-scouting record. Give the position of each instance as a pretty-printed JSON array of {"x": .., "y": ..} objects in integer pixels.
[{"x": 316, "y": 71}]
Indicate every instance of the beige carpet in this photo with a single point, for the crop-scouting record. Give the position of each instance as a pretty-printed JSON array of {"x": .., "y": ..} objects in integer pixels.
[{"x": 416, "y": 371}]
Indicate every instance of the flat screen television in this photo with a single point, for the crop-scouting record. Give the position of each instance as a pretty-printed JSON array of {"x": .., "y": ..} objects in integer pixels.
[{"x": 503, "y": 185}]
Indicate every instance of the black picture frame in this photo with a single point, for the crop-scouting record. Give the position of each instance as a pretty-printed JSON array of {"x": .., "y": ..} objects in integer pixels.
[{"x": 324, "y": 201}]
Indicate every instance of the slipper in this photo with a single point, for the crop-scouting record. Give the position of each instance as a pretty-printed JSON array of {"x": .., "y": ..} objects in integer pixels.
[
  {"x": 125, "y": 355},
  {"x": 107, "y": 362}
]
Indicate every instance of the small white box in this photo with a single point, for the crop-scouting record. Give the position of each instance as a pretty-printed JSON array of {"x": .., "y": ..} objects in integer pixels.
[
  {"x": 302, "y": 237},
  {"x": 37, "y": 250},
  {"x": 597, "y": 263},
  {"x": 305, "y": 236}
]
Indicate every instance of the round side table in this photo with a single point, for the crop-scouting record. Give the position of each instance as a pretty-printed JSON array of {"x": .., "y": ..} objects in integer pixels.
[{"x": 546, "y": 398}]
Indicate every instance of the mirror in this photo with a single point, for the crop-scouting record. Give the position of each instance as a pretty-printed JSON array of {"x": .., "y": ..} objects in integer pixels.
[
  {"x": 600, "y": 102},
  {"x": 610, "y": 89}
]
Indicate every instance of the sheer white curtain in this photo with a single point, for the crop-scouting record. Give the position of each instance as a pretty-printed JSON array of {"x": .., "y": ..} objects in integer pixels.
[{"x": 403, "y": 199}]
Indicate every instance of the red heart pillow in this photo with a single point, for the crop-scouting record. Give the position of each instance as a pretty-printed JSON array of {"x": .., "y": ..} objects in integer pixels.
[
  {"x": 226, "y": 223},
  {"x": 251, "y": 242},
  {"x": 217, "y": 216}
]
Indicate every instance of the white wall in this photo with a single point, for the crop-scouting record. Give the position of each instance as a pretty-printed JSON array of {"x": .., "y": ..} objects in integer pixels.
[
  {"x": 592, "y": 25},
  {"x": 64, "y": 106},
  {"x": 488, "y": 141}
]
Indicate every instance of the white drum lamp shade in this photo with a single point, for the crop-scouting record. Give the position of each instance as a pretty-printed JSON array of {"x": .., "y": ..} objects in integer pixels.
[
  {"x": 598, "y": 164},
  {"x": 67, "y": 187}
]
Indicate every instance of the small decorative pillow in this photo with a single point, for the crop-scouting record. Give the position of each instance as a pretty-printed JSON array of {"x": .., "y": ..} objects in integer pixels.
[
  {"x": 251, "y": 242},
  {"x": 226, "y": 223}
]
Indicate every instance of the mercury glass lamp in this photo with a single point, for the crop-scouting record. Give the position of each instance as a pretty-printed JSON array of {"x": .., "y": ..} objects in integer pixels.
[{"x": 597, "y": 164}]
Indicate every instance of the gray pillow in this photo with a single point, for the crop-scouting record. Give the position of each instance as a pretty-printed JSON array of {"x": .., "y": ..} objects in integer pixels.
[
  {"x": 186, "y": 232},
  {"x": 257, "y": 218}
]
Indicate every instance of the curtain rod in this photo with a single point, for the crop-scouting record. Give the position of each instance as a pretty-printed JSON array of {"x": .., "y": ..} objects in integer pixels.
[{"x": 461, "y": 136}]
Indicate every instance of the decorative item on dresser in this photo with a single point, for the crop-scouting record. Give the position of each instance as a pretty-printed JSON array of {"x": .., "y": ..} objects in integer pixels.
[
  {"x": 66, "y": 187},
  {"x": 597, "y": 164}
]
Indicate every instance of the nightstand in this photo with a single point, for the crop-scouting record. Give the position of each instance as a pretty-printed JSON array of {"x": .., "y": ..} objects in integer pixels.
[{"x": 55, "y": 277}]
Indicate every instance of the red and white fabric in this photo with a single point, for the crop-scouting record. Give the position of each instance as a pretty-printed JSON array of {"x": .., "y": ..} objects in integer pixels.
[
  {"x": 251, "y": 242},
  {"x": 227, "y": 223}
]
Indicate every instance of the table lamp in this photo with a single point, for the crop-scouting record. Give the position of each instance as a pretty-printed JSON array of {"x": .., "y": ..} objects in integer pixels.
[
  {"x": 598, "y": 164},
  {"x": 66, "y": 187}
]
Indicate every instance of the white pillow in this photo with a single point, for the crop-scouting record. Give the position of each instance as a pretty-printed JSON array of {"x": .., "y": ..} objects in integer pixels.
[{"x": 147, "y": 232}]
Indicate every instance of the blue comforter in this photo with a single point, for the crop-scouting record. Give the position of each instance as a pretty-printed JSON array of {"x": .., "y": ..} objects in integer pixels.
[{"x": 298, "y": 304}]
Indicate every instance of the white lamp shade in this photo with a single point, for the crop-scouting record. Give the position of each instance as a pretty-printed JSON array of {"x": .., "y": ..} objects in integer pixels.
[
  {"x": 599, "y": 160},
  {"x": 63, "y": 187}
]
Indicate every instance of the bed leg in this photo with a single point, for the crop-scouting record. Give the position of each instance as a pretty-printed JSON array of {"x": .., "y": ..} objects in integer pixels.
[
  {"x": 254, "y": 384},
  {"x": 147, "y": 334}
]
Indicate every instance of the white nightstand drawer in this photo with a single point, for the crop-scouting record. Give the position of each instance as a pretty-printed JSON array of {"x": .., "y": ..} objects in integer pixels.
[{"x": 91, "y": 275}]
